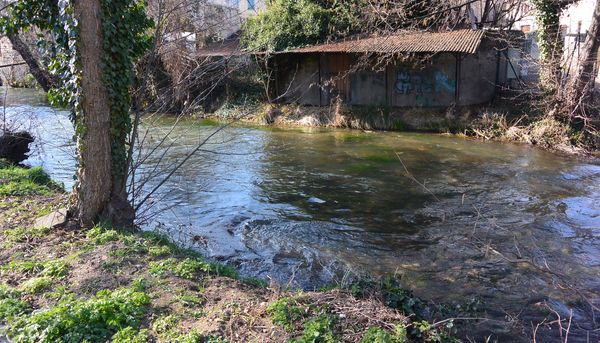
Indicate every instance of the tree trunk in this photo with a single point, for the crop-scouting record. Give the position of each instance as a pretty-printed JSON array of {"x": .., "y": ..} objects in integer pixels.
[
  {"x": 43, "y": 77},
  {"x": 93, "y": 188},
  {"x": 582, "y": 83}
]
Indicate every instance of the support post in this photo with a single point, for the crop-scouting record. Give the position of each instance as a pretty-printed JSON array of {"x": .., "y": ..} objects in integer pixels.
[{"x": 457, "y": 82}]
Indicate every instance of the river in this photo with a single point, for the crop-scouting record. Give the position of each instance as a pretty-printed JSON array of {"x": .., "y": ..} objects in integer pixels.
[{"x": 459, "y": 221}]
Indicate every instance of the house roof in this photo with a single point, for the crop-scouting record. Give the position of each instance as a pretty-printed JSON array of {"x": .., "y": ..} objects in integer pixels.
[{"x": 464, "y": 41}]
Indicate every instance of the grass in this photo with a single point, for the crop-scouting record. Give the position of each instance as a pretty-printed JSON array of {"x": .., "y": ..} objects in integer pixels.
[
  {"x": 111, "y": 285},
  {"x": 16, "y": 181}
]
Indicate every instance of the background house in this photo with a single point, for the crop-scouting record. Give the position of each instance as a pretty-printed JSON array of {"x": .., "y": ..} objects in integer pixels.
[{"x": 575, "y": 22}]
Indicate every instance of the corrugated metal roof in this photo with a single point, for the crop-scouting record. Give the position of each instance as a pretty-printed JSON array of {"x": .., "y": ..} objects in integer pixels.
[{"x": 465, "y": 41}]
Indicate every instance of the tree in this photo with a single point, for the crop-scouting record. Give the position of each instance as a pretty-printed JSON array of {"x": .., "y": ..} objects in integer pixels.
[
  {"x": 93, "y": 189},
  {"x": 94, "y": 48},
  {"x": 42, "y": 76}
]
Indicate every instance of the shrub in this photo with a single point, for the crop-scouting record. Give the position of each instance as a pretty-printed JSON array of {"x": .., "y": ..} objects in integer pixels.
[{"x": 296, "y": 23}]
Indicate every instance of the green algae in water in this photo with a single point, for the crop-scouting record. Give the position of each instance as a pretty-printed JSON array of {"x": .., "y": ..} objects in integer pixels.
[
  {"x": 382, "y": 159},
  {"x": 361, "y": 168}
]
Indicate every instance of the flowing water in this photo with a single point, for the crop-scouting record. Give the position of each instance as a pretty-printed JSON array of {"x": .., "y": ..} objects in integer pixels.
[{"x": 509, "y": 226}]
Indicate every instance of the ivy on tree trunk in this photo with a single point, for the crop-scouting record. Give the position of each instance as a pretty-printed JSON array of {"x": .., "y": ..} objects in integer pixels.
[{"x": 96, "y": 44}]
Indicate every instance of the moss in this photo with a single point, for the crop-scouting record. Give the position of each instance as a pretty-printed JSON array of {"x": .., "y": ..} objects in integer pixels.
[
  {"x": 361, "y": 168},
  {"x": 381, "y": 159}
]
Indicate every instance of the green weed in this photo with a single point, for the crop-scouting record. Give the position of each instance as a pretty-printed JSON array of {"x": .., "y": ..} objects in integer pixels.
[
  {"x": 24, "y": 234},
  {"x": 131, "y": 335},
  {"x": 189, "y": 268},
  {"x": 319, "y": 330},
  {"x": 11, "y": 304},
  {"x": 36, "y": 285},
  {"x": 286, "y": 312},
  {"x": 54, "y": 269},
  {"x": 256, "y": 282},
  {"x": 168, "y": 330},
  {"x": 77, "y": 320},
  {"x": 379, "y": 335}
]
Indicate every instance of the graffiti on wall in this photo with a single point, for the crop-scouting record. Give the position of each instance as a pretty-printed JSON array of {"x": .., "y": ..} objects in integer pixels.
[{"x": 418, "y": 83}]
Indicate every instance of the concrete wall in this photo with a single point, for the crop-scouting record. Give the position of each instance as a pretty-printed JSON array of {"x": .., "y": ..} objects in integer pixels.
[
  {"x": 478, "y": 75},
  {"x": 446, "y": 79},
  {"x": 432, "y": 84},
  {"x": 297, "y": 79}
]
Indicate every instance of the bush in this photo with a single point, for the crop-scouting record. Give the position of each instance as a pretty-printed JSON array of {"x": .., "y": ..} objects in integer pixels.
[{"x": 296, "y": 23}]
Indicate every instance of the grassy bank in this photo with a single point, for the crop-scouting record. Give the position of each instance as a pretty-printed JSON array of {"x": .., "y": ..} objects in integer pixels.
[
  {"x": 104, "y": 284},
  {"x": 502, "y": 122}
]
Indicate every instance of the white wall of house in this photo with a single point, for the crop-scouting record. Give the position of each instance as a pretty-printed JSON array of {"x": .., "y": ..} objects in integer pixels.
[
  {"x": 575, "y": 22},
  {"x": 223, "y": 18}
]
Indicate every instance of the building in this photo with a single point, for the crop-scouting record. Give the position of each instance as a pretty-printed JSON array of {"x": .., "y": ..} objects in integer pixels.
[
  {"x": 575, "y": 22},
  {"x": 421, "y": 69},
  {"x": 220, "y": 19},
  {"x": 413, "y": 69}
]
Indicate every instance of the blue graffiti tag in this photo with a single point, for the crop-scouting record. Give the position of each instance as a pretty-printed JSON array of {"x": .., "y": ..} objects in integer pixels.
[
  {"x": 407, "y": 83},
  {"x": 443, "y": 83},
  {"x": 403, "y": 85}
]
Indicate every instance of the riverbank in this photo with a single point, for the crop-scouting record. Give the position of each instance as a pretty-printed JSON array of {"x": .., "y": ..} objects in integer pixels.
[
  {"x": 502, "y": 122},
  {"x": 104, "y": 284}
]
